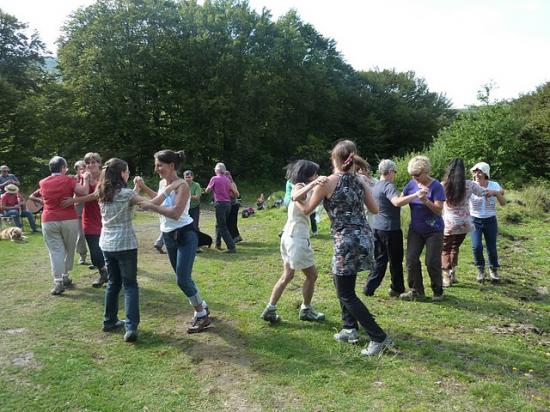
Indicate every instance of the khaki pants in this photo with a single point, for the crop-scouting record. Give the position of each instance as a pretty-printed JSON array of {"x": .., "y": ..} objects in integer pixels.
[
  {"x": 60, "y": 238},
  {"x": 81, "y": 247}
]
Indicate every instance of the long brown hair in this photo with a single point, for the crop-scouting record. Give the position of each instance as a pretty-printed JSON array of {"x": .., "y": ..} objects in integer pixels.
[
  {"x": 110, "y": 180},
  {"x": 455, "y": 182},
  {"x": 345, "y": 156}
]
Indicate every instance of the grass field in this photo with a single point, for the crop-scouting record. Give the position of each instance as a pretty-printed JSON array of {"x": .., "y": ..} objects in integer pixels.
[{"x": 485, "y": 347}]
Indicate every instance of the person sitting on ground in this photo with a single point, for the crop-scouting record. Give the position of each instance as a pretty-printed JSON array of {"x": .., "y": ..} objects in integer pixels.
[
  {"x": 484, "y": 216},
  {"x": 12, "y": 204},
  {"x": 388, "y": 236},
  {"x": 6, "y": 178},
  {"x": 296, "y": 249}
]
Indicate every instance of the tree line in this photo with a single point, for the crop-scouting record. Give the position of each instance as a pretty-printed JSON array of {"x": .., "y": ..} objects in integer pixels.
[{"x": 219, "y": 80}]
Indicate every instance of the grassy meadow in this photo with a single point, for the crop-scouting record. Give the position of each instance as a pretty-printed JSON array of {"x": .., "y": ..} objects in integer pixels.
[{"x": 485, "y": 347}]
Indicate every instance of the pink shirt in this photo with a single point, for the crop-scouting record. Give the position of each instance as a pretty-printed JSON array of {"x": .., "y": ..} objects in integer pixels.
[{"x": 220, "y": 186}]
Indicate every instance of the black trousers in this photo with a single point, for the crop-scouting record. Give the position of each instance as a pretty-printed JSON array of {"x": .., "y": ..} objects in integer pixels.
[
  {"x": 354, "y": 310},
  {"x": 95, "y": 251},
  {"x": 388, "y": 246},
  {"x": 232, "y": 220}
]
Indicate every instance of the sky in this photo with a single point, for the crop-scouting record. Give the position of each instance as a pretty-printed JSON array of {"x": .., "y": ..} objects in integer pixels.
[{"x": 457, "y": 46}]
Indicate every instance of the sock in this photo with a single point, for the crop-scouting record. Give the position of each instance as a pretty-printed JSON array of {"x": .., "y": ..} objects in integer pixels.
[
  {"x": 200, "y": 314},
  {"x": 204, "y": 304},
  {"x": 271, "y": 307},
  {"x": 304, "y": 306}
]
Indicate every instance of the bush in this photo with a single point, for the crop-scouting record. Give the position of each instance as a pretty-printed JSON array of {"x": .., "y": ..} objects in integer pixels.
[{"x": 536, "y": 198}]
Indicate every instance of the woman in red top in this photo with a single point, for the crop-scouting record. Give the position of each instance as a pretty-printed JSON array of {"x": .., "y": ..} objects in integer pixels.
[
  {"x": 91, "y": 219},
  {"x": 60, "y": 224}
]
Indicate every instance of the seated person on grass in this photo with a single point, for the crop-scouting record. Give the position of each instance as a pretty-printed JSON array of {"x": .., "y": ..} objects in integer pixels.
[{"x": 13, "y": 205}]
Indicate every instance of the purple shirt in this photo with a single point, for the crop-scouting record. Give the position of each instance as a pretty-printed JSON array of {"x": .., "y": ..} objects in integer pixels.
[
  {"x": 423, "y": 220},
  {"x": 220, "y": 186}
]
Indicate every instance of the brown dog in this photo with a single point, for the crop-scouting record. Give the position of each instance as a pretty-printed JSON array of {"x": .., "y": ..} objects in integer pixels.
[{"x": 14, "y": 234}]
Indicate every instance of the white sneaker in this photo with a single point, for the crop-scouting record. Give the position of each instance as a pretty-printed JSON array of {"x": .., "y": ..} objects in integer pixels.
[
  {"x": 347, "y": 335},
  {"x": 493, "y": 274},
  {"x": 480, "y": 274},
  {"x": 374, "y": 348}
]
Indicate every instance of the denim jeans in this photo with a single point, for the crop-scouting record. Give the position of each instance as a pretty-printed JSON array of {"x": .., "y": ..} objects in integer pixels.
[
  {"x": 223, "y": 209},
  {"x": 388, "y": 246},
  {"x": 181, "y": 252},
  {"x": 122, "y": 268},
  {"x": 488, "y": 228},
  {"x": 354, "y": 310},
  {"x": 95, "y": 251},
  {"x": 17, "y": 217}
]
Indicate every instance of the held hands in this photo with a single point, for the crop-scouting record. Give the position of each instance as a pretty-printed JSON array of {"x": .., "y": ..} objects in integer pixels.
[
  {"x": 147, "y": 205},
  {"x": 68, "y": 201},
  {"x": 422, "y": 195},
  {"x": 138, "y": 182}
]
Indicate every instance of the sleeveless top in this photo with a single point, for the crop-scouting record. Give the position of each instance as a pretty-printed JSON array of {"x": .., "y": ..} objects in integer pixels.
[
  {"x": 167, "y": 224},
  {"x": 297, "y": 224},
  {"x": 353, "y": 243}
]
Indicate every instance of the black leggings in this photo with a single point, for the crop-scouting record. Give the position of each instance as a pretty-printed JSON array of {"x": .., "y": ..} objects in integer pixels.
[{"x": 95, "y": 251}]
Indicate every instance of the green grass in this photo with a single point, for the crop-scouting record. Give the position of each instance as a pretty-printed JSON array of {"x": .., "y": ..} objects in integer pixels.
[{"x": 483, "y": 348}]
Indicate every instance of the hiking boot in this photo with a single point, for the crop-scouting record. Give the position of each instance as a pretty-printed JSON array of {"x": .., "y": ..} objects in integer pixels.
[
  {"x": 101, "y": 279},
  {"x": 446, "y": 278},
  {"x": 411, "y": 295},
  {"x": 67, "y": 281},
  {"x": 347, "y": 335},
  {"x": 311, "y": 314},
  {"x": 438, "y": 298},
  {"x": 393, "y": 293},
  {"x": 110, "y": 327},
  {"x": 374, "y": 348},
  {"x": 270, "y": 315},
  {"x": 199, "y": 324},
  {"x": 480, "y": 275},
  {"x": 452, "y": 274},
  {"x": 58, "y": 288},
  {"x": 493, "y": 274},
  {"x": 130, "y": 336}
]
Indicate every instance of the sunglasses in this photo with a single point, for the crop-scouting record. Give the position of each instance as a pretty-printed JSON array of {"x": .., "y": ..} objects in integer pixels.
[{"x": 416, "y": 175}]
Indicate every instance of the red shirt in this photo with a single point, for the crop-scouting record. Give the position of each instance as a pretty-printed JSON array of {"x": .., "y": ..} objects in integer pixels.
[
  {"x": 53, "y": 190},
  {"x": 10, "y": 200},
  {"x": 91, "y": 216}
]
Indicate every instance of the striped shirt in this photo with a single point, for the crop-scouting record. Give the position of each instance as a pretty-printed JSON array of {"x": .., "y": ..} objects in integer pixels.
[
  {"x": 117, "y": 233},
  {"x": 484, "y": 207}
]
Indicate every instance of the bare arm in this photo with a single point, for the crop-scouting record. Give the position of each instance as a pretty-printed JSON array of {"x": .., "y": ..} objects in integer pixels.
[
  {"x": 403, "y": 200},
  {"x": 436, "y": 207},
  {"x": 370, "y": 202},
  {"x": 174, "y": 212}
]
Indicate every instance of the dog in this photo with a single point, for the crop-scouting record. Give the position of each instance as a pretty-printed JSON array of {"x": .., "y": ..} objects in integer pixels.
[
  {"x": 14, "y": 234},
  {"x": 204, "y": 239}
]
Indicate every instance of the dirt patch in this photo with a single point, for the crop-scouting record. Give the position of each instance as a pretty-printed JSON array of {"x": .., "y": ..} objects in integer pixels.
[
  {"x": 16, "y": 331},
  {"x": 23, "y": 359},
  {"x": 515, "y": 329}
]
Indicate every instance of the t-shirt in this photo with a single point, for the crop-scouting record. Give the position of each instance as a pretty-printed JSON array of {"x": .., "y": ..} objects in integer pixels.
[
  {"x": 423, "y": 220},
  {"x": 6, "y": 179},
  {"x": 220, "y": 186},
  {"x": 388, "y": 217},
  {"x": 53, "y": 190},
  {"x": 10, "y": 200},
  {"x": 91, "y": 216},
  {"x": 195, "y": 190},
  {"x": 483, "y": 207},
  {"x": 288, "y": 193},
  {"x": 118, "y": 233}
]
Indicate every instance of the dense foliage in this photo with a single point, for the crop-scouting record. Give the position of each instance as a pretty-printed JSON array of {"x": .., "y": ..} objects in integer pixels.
[{"x": 222, "y": 82}]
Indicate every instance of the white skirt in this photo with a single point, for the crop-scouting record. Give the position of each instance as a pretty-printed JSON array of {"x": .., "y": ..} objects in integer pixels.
[{"x": 296, "y": 252}]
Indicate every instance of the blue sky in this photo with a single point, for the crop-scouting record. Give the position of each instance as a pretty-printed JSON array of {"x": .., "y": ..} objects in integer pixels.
[{"x": 457, "y": 46}]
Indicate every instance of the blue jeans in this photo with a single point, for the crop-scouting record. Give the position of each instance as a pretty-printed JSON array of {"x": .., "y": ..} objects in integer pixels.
[
  {"x": 181, "y": 252},
  {"x": 17, "y": 217},
  {"x": 122, "y": 268},
  {"x": 488, "y": 228}
]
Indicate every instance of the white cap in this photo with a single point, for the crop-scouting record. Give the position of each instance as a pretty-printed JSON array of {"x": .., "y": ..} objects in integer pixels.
[{"x": 484, "y": 167}]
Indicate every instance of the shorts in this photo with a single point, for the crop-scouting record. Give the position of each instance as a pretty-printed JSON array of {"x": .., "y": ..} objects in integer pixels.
[{"x": 297, "y": 252}]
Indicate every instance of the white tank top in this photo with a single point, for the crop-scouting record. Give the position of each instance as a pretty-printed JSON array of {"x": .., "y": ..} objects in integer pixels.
[
  {"x": 297, "y": 224},
  {"x": 167, "y": 224}
]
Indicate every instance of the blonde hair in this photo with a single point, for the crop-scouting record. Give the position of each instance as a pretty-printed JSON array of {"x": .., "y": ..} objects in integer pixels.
[
  {"x": 92, "y": 156},
  {"x": 418, "y": 165}
]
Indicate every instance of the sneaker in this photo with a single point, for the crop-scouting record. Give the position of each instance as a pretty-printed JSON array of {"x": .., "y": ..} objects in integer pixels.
[
  {"x": 480, "y": 275},
  {"x": 67, "y": 281},
  {"x": 393, "y": 293},
  {"x": 314, "y": 234},
  {"x": 311, "y": 314},
  {"x": 454, "y": 279},
  {"x": 159, "y": 249},
  {"x": 446, "y": 278},
  {"x": 199, "y": 324},
  {"x": 374, "y": 348},
  {"x": 270, "y": 315},
  {"x": 238, "y": 239},
  {"x": 82, "y": 260},
  {"x": 130, "y": 336},
  {"x": 411, "y": 295},
  {"x": 58, "y": 288},
  {"x": 113, "y": 326},
  {"x": 218, "y": 247},
  {"x": 438, "y": 298},
  {"x": 493, "y": 274},
  {"x": 347, "y": 335},
  {"x": 91, "y": 267},
  {"x": 101, "y": 279},
  {"x": 234, "y": 250}
]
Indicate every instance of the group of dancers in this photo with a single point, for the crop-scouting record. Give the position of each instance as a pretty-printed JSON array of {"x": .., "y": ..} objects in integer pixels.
[{"x": 345, "y": 194}]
